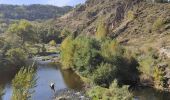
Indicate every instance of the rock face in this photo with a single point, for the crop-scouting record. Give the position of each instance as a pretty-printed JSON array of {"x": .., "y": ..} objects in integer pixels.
[
  {"x": 125, "y": 19},
  {"x": 165, "y": 51},
  {"x": 67, "y": 94}
]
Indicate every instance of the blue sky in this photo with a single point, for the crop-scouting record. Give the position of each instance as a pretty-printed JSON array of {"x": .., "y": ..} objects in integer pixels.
[{"x": 51, "y": 2}]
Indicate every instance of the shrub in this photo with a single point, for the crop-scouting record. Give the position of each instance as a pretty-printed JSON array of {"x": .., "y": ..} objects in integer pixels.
[
  {"x": 159, "y": 22},
  {"x": 130, "y": 15},
  {"x": 146, "y": 65},
  {"x": 113, "y": 93},
  {"x": 86, "y": 55},
  {"x": 16, "y": 55},
  {"x": 52, "y": 43},
  {"x": 97, "y": 92},
  {"x": 67, "y": 52},
  {"x": 23, "y": 84},
  {"x": 117, "y": 93},
  {"x": 158, "y": 76},
  {"x": 109, "y": 49},
  {"x": 101, "y": 32},
  {"x": 65, "y": 32},
  {"x": 104, "y": 75}
]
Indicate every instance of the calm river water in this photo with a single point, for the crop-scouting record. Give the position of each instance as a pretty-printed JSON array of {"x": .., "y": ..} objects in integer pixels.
[{"x": 47, "y": 73}]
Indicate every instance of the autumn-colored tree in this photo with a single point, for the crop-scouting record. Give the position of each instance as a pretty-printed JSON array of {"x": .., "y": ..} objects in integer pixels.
[{"x": 101, "y": 32}]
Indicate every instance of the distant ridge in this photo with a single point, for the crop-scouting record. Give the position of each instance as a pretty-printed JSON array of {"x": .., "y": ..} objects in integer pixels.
[{"x": 32, "y": 12}]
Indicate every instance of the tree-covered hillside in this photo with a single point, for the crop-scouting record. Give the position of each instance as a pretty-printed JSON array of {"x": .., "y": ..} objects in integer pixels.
[{"x": 32, "y": 12}]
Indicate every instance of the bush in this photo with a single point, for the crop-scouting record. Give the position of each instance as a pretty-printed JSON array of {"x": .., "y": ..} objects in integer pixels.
[
  {"x": 130, "y": 15},
  {"x": 113, "y": 93},
  {"x": 65, "y": 33},
  {"x": 67, "y": 52},
  {"x": 104, "y": 75},
  {"x": 101, "y": 31},
  {"x": 97, "y": 92},
  {"x": 146, "y": 65},
  {"x": 16, "y": 55},
  {"x": 23, "y": 84},
  {"x": 109, "y": 49},
  {"x": 117, "y": 93},
  {"x": 52, "y": 43},
  {"x": 159, "y": 22},
  {"x": 86, "y": 55},
  {"x": 158, "y": 76}
]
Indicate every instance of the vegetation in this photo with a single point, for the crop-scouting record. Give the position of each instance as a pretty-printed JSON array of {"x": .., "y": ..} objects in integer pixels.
[
  {"x": 159, "y": 78},
  {"x": 103, "y": 60},
  {"x": 67, "y": 52},
  {"x": 86, "y": 55},
  {"x": 23, "y": 30},
  {"x": 23, "y": 84},
  {"x": 1, "y": 92},
  {"x": 130, "y": 15},
  {"x": 104, "y": 75},
  {"x": 65, "y": 33},
  {"x": 101, "y": 30},
  {"x": 100, "y": 59},
  {"x": 113, "y": 93},
  {"x": 17, "y": 55},
  {"x": 32, "y": 12},
  {"x": 159, "y": 22},
  {"x": 52, "y": 43}
]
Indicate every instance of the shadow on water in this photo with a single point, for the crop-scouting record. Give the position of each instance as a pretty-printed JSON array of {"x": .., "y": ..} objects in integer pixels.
[
  {"x": 146, "y": 93},
  {"x": 72, "y": 80}
]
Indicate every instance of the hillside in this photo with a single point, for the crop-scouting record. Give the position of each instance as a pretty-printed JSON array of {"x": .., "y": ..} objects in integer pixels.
[
  {"x": 32, "y": 12},
  {"x": 127, "y": 20},
  {"x": 11, "y": 13}
]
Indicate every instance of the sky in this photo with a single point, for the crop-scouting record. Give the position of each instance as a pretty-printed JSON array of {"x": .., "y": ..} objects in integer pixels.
[{"x": 50, "y": 2}]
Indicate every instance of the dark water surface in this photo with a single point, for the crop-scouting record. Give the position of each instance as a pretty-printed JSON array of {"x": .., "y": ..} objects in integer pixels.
[{"x": 47, "y": 73}]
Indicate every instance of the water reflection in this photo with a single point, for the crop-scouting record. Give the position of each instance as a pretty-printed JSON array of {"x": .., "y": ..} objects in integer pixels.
[
  {"x": 151, "y": 94},
  {"x": 72, "y": 80},
  {"x": 63, "y": 79}
]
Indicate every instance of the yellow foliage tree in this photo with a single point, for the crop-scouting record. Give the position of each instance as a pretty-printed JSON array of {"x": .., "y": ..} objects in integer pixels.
[
  {"x": 101, "y": 32},
  {"x": 67, "y": 53}
]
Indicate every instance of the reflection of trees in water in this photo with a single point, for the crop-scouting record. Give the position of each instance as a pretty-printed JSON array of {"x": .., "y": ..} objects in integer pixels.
[
  {"x": 151, "y": 94},
  {"x": 72, "y": 80}
]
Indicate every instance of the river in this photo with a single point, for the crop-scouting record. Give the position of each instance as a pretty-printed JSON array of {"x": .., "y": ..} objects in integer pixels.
[{"x": 47, "y": 73}]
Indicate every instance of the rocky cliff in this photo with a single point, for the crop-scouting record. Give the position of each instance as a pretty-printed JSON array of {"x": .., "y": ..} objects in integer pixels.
[{"x": 127, "y": 20}]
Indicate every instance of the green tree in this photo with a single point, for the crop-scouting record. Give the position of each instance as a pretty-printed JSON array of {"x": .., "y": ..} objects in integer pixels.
[
  {"x": 86, "y": 55},
  {"x": 104, "y": 75},
  {"x": 67, "y": 52},
  {"x": 23, "y": 84},
  {"x": 23, "y": 29},
  {"x": 16, "y": 56}
]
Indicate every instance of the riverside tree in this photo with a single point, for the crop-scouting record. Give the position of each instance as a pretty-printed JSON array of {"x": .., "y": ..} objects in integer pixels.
[{"x": 23, "y": 30}]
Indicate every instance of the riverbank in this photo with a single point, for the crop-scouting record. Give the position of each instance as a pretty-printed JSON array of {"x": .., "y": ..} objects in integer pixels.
[{"x": 68, "y": 94}]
